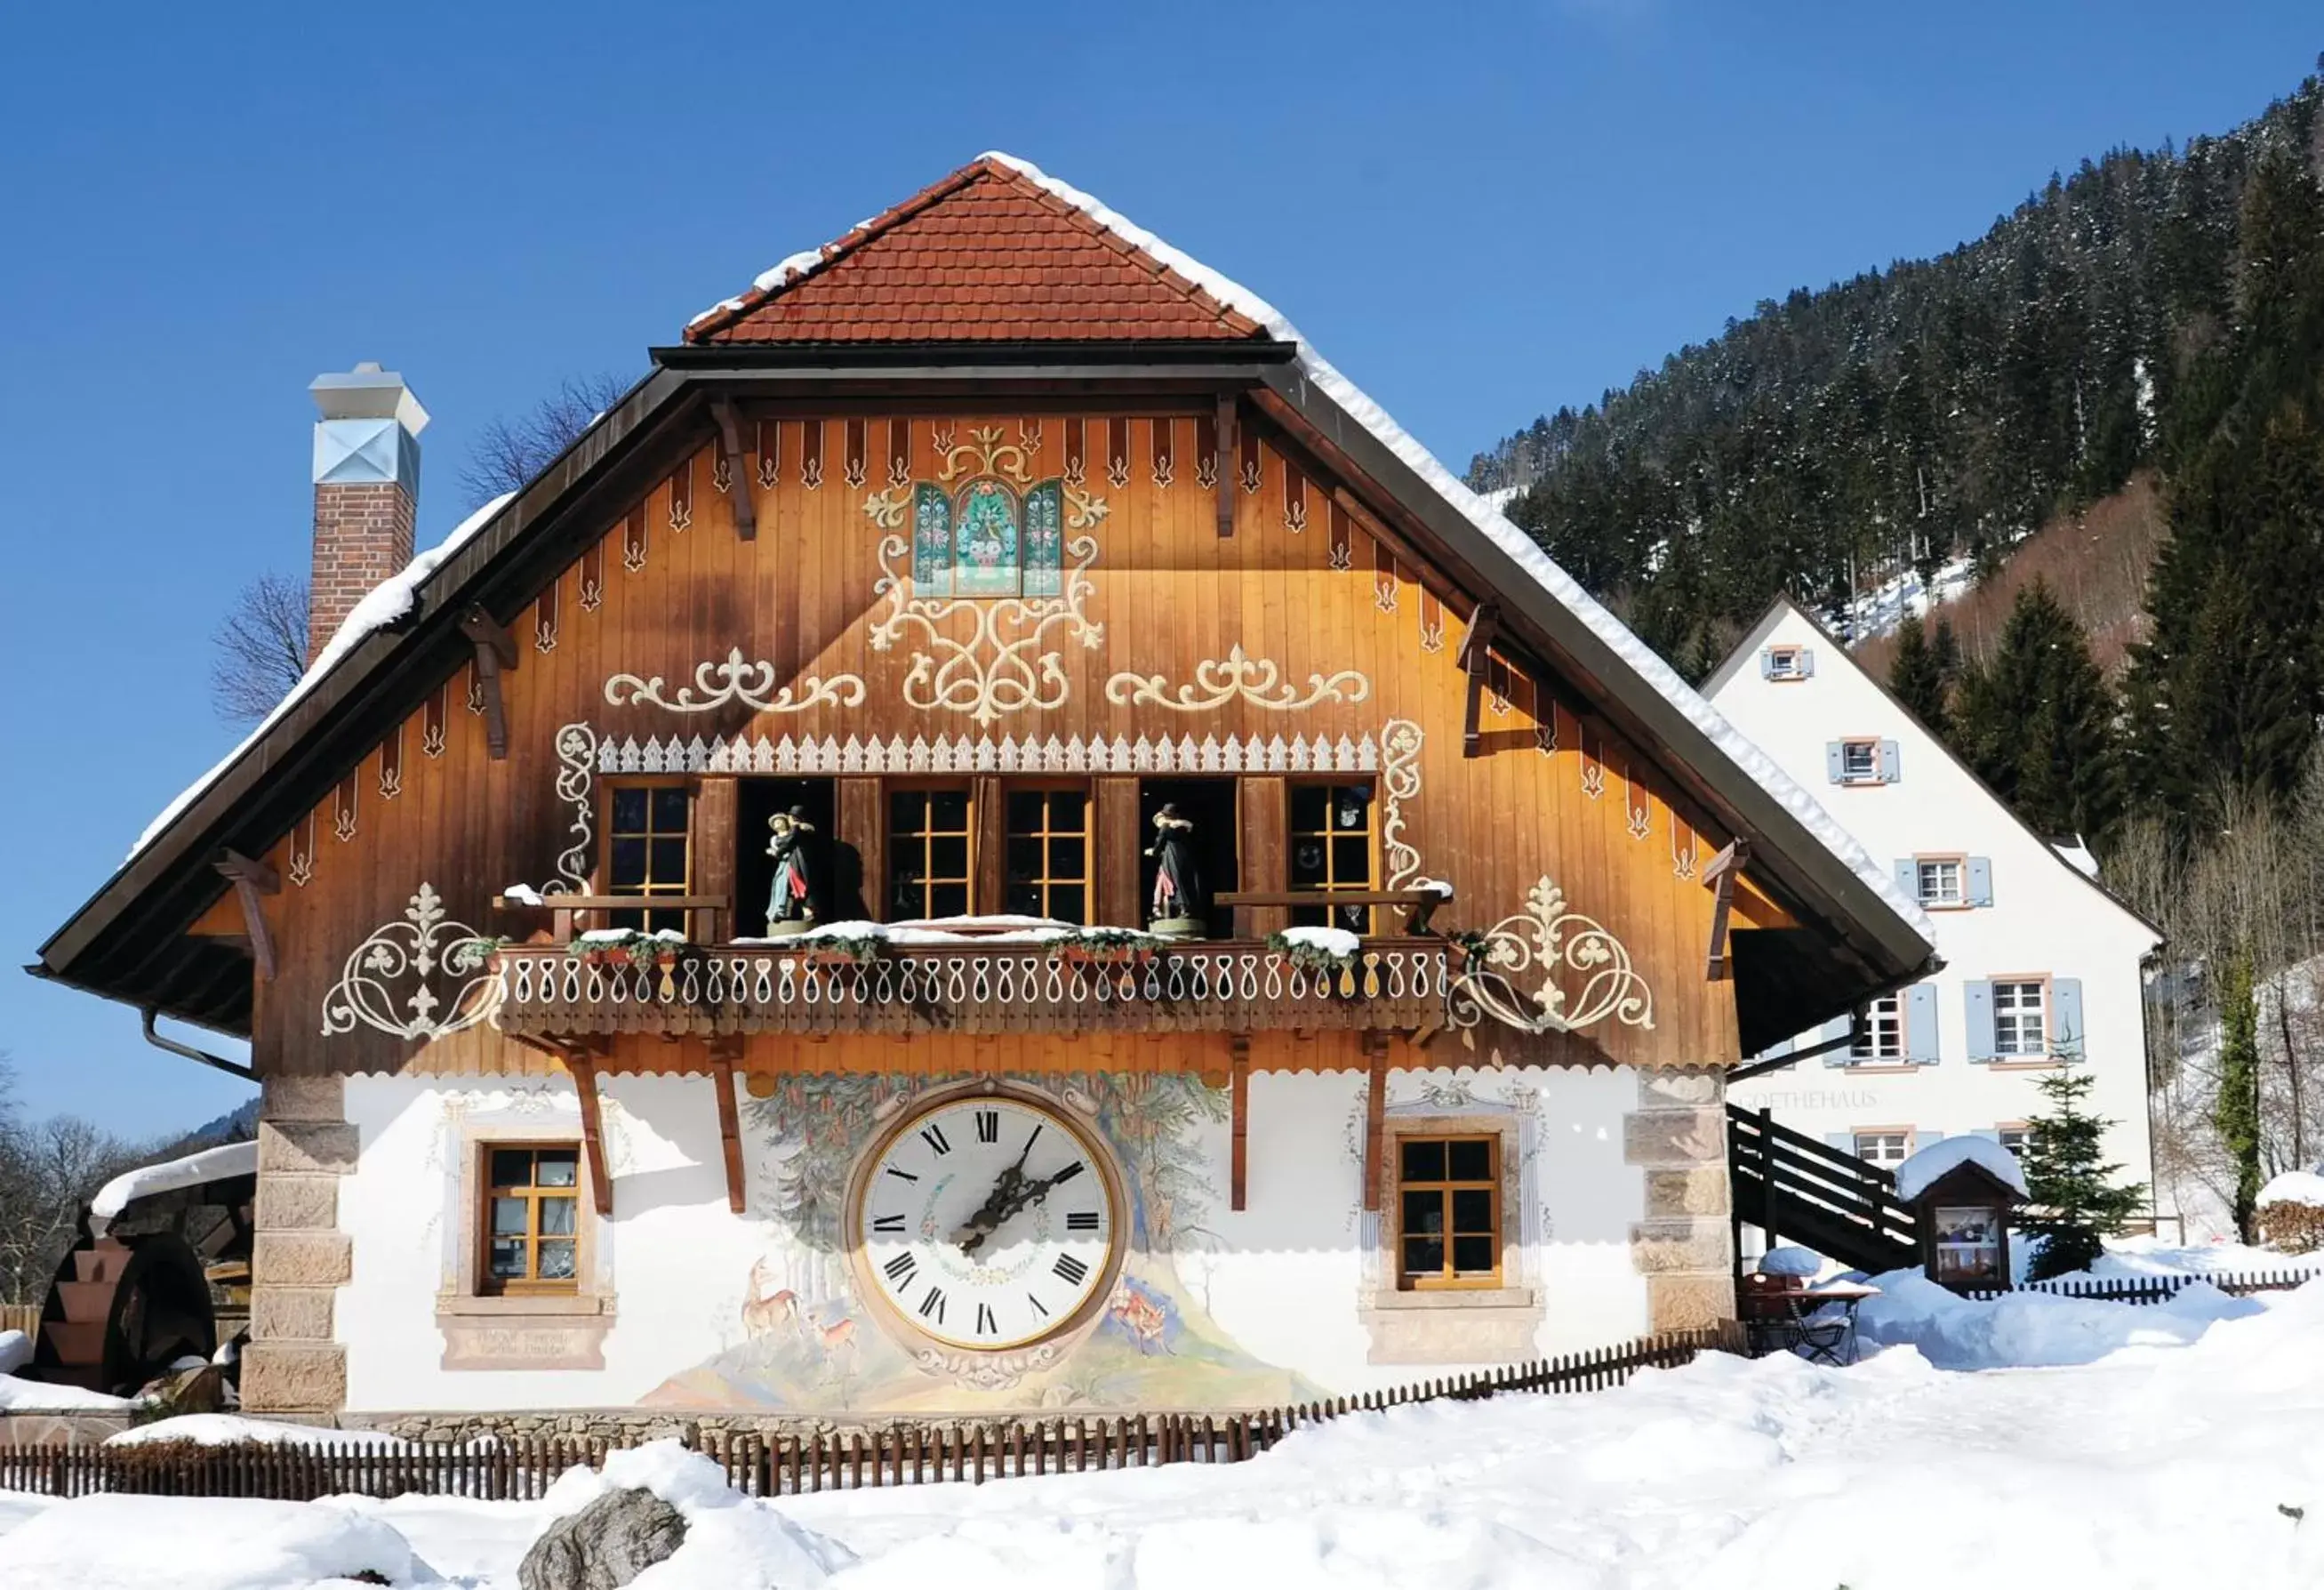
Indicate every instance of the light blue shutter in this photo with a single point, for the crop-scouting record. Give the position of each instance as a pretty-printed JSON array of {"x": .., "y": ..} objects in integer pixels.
[
  {"x": 1921, "y": 1044},
  {"x": 1845, "y": 1141},
  {"x": 1888, "y": 762},
  {"x": 1838, "y": 1027},
  {"x": 1908, "y": 877},
  {"x": 1766, "y": 662},
  {"x": 1831, "y": 761},
  {"x": 1922, "y": 1136},
  {"x": 1980, "y": 880},
  {"x": 1990, "y": 1133},
  {"x": 2066, "y": 1006},
  {"x": 1978, "y": 1000},
  {"x": 1807, "y": 663}
]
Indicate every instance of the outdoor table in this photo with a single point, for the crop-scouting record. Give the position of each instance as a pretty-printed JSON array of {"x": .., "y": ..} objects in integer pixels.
[{"x": 1825, "y": 1337}]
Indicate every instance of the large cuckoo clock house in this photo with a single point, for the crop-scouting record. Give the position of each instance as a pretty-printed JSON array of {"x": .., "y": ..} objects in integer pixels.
[{"x": 994, "y": 836}]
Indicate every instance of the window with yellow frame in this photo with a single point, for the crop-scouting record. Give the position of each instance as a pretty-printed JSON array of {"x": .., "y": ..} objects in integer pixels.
[
  {"x": 648, "y": 849},
  {"x": 929, "y": 871},
  {"x": 1048, "y": 857},
  {"x": 1334, "y": 838},
  {"x": 1448, "y": 1205},
  {"x": 531, "y": 1217}
]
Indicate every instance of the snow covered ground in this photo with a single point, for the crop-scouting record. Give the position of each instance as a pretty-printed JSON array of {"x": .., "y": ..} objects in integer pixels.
[{"x": 2189, "y": 1452}]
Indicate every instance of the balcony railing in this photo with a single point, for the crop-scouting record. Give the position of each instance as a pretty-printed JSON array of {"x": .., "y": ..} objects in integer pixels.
[{"x": 1226, "y": 985}]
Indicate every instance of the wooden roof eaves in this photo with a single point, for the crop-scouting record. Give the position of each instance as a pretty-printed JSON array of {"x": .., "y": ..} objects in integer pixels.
[
  {"x": 1799, "y": 862},
  {"x": 313, "y": 729}
]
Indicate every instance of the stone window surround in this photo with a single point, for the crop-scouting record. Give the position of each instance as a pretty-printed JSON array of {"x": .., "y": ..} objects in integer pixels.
[
  {"x": 1451, "y": 1325},
  {"x": 536, "y": 1330}
]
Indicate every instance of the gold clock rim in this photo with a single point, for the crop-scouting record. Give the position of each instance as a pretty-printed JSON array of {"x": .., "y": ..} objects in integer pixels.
[{"x": 904, "y": 1327}]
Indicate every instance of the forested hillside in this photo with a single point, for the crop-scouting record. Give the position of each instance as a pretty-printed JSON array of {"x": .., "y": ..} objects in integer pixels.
[{"x": 2158, "y": 311}]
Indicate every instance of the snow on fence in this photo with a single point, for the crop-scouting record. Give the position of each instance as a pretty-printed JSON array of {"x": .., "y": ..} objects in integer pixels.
[
  {"x": 788, "y": 1465},
  {"x": 2158, "y": 1288}
]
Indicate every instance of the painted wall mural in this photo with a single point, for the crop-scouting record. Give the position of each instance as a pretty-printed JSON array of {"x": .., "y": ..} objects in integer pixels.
[{"x": 812, "y": 1342}]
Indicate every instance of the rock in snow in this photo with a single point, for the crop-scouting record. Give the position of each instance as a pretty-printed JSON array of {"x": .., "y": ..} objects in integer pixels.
[{"x": 604, "y": 1545}]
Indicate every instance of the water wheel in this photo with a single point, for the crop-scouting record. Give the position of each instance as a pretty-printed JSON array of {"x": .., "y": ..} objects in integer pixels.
[{"x": 119, "y": 1314}]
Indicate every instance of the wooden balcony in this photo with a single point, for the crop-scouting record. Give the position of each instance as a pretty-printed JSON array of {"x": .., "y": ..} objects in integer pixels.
[{"x": 1223, "y": 986}]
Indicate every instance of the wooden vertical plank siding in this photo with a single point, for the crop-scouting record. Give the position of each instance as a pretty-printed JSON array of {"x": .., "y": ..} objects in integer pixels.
[{"x": 1329, "y": 660}]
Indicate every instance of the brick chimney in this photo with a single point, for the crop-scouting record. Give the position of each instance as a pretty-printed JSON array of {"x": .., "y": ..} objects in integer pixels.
[{"x": 366, "y": 485}]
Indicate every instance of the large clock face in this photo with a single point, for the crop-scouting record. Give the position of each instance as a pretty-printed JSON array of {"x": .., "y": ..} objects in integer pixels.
[{"x": 987, "y": 1222}]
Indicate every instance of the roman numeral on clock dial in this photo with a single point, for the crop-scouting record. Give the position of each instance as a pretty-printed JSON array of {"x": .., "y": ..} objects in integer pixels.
[
  {"x": 1082, "y": 1220},
  {"x": 986, "y": 1325},
  {"x": 895, "y": 1223},
  {"x": 899, "y": 1269},
  {"x": 987, "y": 1126},
  {"x": 933, "y": 1134},
  {"x": 932, "y": 1307},
  {"x": 1072, "y": 1271}
]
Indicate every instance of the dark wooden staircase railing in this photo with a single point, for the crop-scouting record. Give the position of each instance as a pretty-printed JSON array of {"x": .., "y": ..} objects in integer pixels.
[{"x": 1798, "y": 1189}]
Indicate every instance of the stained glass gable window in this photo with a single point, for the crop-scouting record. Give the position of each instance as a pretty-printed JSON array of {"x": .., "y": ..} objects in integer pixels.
[
  {"x": 931, "y": 541},
  {"x": 984, "y": 541},
  {"x": 1045, "y": 539}
]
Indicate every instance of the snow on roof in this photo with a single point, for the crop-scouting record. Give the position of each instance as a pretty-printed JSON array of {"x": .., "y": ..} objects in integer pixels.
[
  {"x": 1915, "y": 1175},
  {"x": 387, "y": 602},
  {"x": 2076, "y": 856},
  {"x": 2295, "y": 1187},
  {"x": 1521, "y": 548},
  {"x": 234, "y": 1159}
]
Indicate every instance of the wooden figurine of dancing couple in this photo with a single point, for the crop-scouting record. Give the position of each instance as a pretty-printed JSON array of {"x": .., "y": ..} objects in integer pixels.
[
  {"x": 1177, "y": 885},
  {"x": 791, "y": 907}
]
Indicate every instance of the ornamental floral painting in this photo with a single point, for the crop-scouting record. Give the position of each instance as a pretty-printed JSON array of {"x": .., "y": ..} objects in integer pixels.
[{"x": 808, "y": 1342}]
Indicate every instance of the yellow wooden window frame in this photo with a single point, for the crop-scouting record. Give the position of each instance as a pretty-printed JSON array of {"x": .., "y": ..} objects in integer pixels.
[
  {"x": 1447, "y": 1278},
  {"x": 1314, "y": 915},
  {"x": 1048, "y": 876},
  {"x": 535, "y": 1193},
  {"x": 650, "y": 921},
  {"x": 921, "y": 843}
]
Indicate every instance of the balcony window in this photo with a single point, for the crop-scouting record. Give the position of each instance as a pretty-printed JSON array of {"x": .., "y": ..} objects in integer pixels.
[
  {"x": 928, "y": 846},
  {"x": 1333, "y": 838},
  {"x": 1049, "y": 858},
  {"x": 648, "y": 851}
]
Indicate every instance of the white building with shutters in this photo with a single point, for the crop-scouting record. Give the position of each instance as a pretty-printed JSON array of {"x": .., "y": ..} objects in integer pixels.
[{"x": 2041, "y": 964}]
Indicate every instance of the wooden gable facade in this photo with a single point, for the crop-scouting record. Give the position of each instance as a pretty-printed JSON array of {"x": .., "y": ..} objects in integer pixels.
[{"x": 974, "y": 538}]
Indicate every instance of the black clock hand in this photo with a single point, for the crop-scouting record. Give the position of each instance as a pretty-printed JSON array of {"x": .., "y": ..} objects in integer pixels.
[
  {"x": 998, "y": 1205},
  {"x": 1022, "y": 1196}
]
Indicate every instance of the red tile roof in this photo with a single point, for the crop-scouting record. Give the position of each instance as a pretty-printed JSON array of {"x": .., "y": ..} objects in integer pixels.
[{"x": 985, "y": 255}]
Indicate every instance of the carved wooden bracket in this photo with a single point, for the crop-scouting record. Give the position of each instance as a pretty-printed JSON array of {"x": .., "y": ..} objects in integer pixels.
[
  {"x": 584, "y": 1067},
  {"x": 496, "y": 654},
  {"x": 1375, "y": 1117},
  {"x": 1226, "y": 464},
  {"x": 252, "y": 879},
  {"x": 1240, "y": 1132},
  {"x": 730, "y": 443},
  {"x": 1484, "y": 624},
  {"x": 724, "y": 1054},
  {"x": 1719, "y": 875}
]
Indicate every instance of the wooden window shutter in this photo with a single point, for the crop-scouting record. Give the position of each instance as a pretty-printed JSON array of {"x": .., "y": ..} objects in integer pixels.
[
  {"x": 1837, "y": 1028},
  {"x": 1807, "y": 663},
  {"x": 1845, "y": 1141},
  {"x": 1977, "y": 999},
  {"x": 1889, "y": 761},
  {"x": 1766, "y": 662},
  {"x": 1979, "y": 881},
  {"x": 1908, "y": 877},
  {"x": 1832, "y": 764},
  {"x": 2066, "y": 1018},
  {"x": 1922, "y": 1043}
]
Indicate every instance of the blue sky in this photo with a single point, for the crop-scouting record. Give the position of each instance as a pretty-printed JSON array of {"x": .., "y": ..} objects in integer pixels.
[{"x": 1478, "y": 210}]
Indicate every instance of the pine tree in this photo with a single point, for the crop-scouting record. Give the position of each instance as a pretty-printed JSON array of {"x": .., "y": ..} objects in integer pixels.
[
  {"x": 1917, "y": 676},
  {"x": 2235, "y": 1110},
  {"x": 2037, "y": 722},
  {"x": 2071, "y": 1199}
]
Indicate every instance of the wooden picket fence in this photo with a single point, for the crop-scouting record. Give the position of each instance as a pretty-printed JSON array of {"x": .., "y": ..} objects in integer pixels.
[
  {"x": 757, "y": 1465},
  {"x": 2160, "y": 1289},
  {"x": 23, "y": 1317}
]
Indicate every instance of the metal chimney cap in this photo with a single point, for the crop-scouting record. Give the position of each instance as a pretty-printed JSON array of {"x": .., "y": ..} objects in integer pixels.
[{"x": 368, "y": 393}]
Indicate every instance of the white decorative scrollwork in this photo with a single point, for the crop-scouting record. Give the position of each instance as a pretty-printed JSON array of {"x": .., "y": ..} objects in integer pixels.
[
  {"x": 722, "y": 684},
  {"x": 576, "y": 772},
  {"x": 1558, "y": 944},
  {"x": 426, "y": 941},
  {"x": 986, "y": 675},
  {"x": 1236, "y": 676},
  {"x": 1400, "y": 742},
  {"x": 1008, "y": 753}
]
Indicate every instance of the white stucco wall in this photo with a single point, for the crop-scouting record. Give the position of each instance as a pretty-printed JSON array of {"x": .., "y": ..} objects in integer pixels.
[
  {"x": 2046, "y": 917},
  {"x": 1284, "y": 1278}
]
